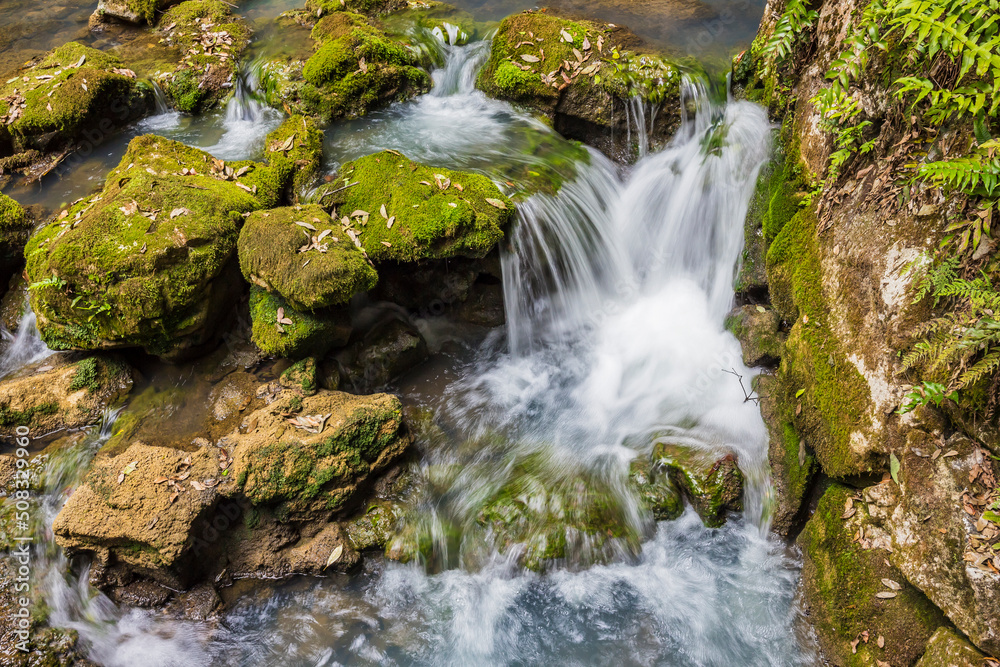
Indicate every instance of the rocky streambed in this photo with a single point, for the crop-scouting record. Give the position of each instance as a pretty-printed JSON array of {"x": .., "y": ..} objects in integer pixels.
[{"x": 405, "y": 333}]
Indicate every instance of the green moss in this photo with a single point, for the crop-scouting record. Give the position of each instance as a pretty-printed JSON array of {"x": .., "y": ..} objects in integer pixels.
[
  {"x": 145, "y": 9},
  {"x": 59, "y": 96},
  {"x": 427, "y": 221},
  {"x": 15, "y": 226},
  {"x": 305, "y": 156},
  {"x": 714, "y": 485},
  {"x": 656, "y": 490},
  {"x": 301, "y": 376},
  {"x": 10, "y": 417},
  {"x": 309, "y": 334},
  {"x": 366, "y": 7},
  {"x": 197, "y": 82},
  {"x": 148, "y": 262},
  {"x": 330, "y": 274},
  {"x": 841, "y": 579},
  {"x": 86, "y": 376},
  {"x": 834, "y": 396}
]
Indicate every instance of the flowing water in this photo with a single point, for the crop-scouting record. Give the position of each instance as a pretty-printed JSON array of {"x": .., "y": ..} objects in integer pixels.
[{"x": 616, "y": 284}]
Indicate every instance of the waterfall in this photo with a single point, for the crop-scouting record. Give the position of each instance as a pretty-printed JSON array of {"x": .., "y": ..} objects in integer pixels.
[
  {"x": 26, "y": 346},
  {"x": 247, "y": 117}
]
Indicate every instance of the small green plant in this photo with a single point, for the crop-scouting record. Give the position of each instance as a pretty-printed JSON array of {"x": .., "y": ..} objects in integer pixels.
[
  {"x": 927, "y": 393},
  {"x": 792, "y": 27},
  {"x": 53, "y": 281},
  {"x": 86, "y": 376}
]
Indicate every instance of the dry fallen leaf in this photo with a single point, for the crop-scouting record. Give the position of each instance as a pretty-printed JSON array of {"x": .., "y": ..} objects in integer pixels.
[
  {"x": 335, "y": 555},
  {"x": 527, "y": 57},
  {"x": 885, "y": 595},
  {"x": 889, "y": 583},
  {"x": 497, "y": 203}
]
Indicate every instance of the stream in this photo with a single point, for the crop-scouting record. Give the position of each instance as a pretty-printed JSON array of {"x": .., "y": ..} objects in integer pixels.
[{"x": 615, "y": 290}]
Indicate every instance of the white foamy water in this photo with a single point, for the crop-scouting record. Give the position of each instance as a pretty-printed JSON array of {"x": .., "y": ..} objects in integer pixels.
[{"x": 616, "y": 289}]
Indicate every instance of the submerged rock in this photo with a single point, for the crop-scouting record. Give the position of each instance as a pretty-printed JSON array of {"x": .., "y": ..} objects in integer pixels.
[
  {"x": 150, "y": 261},
  {"x": 280, "y": 330},
  {"x": 583, "y": 76},
  {"x": 850, "y": 588},
  {"x": 385, "y": 352},
  {"x": 75, "y": 93},
  {"x": 210, "y": 38},
  {"x": 402, "y": 211},
  {"x": 302, "y": 255},
  {"x": 940, "y": 526},
  {"x": 356, "y": 68},
  {"x": 657, "y": 491},
  {"x": 713, "y": 484},
  {"x": 57, "y": 394},
  {"x": 15, "y": 226}
]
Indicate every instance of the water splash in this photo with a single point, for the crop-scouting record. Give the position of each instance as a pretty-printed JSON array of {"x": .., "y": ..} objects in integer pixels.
[
  {"x": 25, "y": 346},
  {"x": 248, "y": 119}
]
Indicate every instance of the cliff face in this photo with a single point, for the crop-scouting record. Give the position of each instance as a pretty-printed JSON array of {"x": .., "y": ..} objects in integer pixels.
[{"x": 876, "y": 263}]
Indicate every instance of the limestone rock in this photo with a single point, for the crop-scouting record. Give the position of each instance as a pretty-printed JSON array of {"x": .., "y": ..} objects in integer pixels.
[
  {"x": 15, "y": 226},
  {"x": 300, "y": 333},
  {"x": 713, "y": 484},
  {"x": 385, "y": 352},
  {"x": 656, "y": 490},
  {"x": 756, "y": 327},
  {"x": 947, "y": 649},
  {"x": 298, "y": 143},
  {"x": 133, "y": 11}
]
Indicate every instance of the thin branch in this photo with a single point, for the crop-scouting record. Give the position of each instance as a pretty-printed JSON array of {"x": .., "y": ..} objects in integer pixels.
[{"x": 746, "y": 397}]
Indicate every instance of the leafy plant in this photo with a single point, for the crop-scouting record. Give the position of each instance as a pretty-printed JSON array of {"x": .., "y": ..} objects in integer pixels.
[
  {"x": 53, "y": 281},
  {"x": 927, "y": 393},
  {"x": 793, "y": 24}
]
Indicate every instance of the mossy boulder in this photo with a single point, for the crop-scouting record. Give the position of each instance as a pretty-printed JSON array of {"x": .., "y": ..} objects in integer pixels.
[
  {"x": 581, "y": 75},
  {"x": 150, "y": 261},
  {"x": 374, "y": 527},
  {"x": 302, "y": 377},
  {"x": 942, "y": 530},
  {"x": 657, "y": 491},
  {"x": 301, "y": 254},
  {"x": 210, "y": 39},
  {"x": 297, "y": 143},
  {"x": 74, "y": 93},
  {"x": 133, "y": 11},
  {"x": 61, "y": 394},
  {"x": 946, "y": 648},
  {"x": 15, "y": 226},
  {"x": 713, "y": 484},
  {"x": 298, "y": 333},
  {"x": 311, "y": 455},
  {"x": 373, "y": 8},
  {"x": 355, "y": 68},
  {"x": 849, "y": 587},
  {"x": 757, "y": 329},
  {"x": 402, "y": 211}
]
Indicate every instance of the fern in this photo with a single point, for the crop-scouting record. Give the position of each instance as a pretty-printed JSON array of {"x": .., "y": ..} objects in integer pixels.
[{"x": 795, "y": 22}]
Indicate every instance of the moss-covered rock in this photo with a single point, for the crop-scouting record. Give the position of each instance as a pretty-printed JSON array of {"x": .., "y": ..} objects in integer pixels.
[
  {"x": 133, "y": 11},
  {"x": 793, "y": 465},
  {"x": 402, "y": 211},
  {"x": 302, "y": 377},
  {"x": 314, "y": 465},
  {"x": 756, "y": 327},
  {"x": 542, "y": 515},
  {"x": 374, "y": 527},
  {"x": 74, "y": 93},
  {"x": 581, "y": 76},
  {"x": 356, "y": 68},
  {"x": 298, "y": 333},
  {"x": 301, "y": 254},
  {"x": 15, "y": 226},
  {"x": 298, "y": 144},
  {"x": 210, "y": 39},
  {"x": 845, "y": 569},
  {"x": 947, "y": 649},
  {"x": 150, "y": 261},
  {"x": 656, "y": 489},
  {"x": 57, "y": 393},
  {"x": 713, "y": 484},
  {"x": 372, "y": 8}
]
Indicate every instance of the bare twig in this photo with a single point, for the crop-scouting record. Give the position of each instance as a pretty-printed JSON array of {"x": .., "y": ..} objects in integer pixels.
[
  {"x": 333, "y": 192},
  {"x": 746, "y": 397}
]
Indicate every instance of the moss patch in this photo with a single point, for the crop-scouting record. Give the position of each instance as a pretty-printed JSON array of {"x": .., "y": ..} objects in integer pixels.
[
  {"x": 308, "y": 334},
  {"x": 297, "y": 145},
  {"x": 713, "y": 485},
  {"x": 328, "y": 273},
  {"x": 435, "y": 213}
]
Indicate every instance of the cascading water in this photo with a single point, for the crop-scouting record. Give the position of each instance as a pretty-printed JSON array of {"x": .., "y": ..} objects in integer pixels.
[
  {"x": 24, "y": 346},
  {"x": 247, "y": 118},
  {"x": 616, "y": 288}
]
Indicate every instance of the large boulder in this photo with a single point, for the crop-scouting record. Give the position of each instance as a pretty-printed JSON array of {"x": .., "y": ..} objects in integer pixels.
[
  {"x": 58, "y": 394},
  {"x": 150, "y": 262},
  {"x": 209, "y": 38},
  {"x": 862, "y": 607},
  {"x": 15, "y": 226},
  {"x": 73, "y": 93},
  {"x": 583, "y": 76},
  {"x": 942, "y": 532},
  {"x": 272, "y": 499},
  {"x": 947, "y": 649},
  {"x": 402, "y": 211},
  {"x": 301, "y": 254},
  {"x": 355, "y": 68}
]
